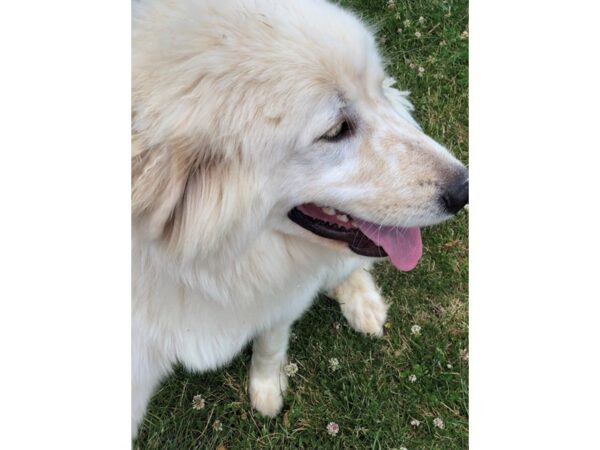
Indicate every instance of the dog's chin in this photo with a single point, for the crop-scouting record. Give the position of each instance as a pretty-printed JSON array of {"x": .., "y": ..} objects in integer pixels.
[
  {"x": 339, "y": 230},
  {"x": 325, "y": 243}
]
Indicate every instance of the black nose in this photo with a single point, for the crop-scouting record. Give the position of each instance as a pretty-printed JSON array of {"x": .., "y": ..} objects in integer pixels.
[{"x": 456, "y": 194}]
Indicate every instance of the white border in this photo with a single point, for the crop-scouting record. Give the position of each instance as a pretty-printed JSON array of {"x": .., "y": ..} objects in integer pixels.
[
  {"x": 64, "y": 183},
  {"x": 534, "y": 224}
]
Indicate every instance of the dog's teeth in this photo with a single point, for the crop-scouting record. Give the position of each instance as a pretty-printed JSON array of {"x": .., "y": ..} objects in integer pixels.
[
  {"x": 342, "y": 217},
  {"x": 329, "y": 211}
]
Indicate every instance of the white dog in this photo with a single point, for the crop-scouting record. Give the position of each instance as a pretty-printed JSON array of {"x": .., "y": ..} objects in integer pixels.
[{"x": 271, "y": 159}]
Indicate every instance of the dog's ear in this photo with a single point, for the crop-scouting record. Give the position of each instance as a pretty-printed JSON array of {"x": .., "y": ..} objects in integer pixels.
[
  {"x": 179, "y": 195},
  {"x": 159, "y": 174},
  {"x": 399, "y": 100}
]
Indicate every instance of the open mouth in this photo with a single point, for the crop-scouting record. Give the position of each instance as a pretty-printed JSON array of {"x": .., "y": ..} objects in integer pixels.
[{"x": 402, "y": 245}]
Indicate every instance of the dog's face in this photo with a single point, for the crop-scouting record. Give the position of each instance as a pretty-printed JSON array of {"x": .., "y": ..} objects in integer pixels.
[
  {"x": 289, "y": 127},
  {"x": 364, "y": 177}
]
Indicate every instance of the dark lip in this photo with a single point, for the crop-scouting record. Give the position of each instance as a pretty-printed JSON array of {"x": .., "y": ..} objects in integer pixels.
[{"x": 356, "y": 240}]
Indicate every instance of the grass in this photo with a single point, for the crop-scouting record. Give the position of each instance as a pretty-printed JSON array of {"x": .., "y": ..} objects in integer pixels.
[{"x": 370, "y": 395}]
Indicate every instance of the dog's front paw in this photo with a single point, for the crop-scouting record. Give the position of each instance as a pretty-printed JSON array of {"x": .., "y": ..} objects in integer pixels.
[
  {"x": 366, "y": 314},
  {"x": 361, "y": 303},
  {"x": 266, "y": 393}
]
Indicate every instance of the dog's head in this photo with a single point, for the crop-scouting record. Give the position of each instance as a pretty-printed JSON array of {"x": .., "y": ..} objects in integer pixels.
[{"x": 277, "y": 116}]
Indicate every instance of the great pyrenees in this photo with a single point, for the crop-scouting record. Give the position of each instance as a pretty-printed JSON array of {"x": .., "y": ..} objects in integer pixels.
[{"x": 271, "y": 159}]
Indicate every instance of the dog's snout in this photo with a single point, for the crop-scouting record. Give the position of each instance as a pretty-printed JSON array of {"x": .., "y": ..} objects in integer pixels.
[{"x": 456, "y": 194}]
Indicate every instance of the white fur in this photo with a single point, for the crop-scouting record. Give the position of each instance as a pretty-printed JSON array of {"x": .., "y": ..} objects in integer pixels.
[{"x": 229, "y": 99}]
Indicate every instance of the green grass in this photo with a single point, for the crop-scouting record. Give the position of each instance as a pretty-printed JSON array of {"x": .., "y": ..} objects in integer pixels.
[{"x": 370, "y": 395}]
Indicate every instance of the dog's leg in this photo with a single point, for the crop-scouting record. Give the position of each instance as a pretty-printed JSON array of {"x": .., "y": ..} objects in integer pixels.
[
  {"x": 268, "y": 380},
  {"x": 361, "y": 302}
]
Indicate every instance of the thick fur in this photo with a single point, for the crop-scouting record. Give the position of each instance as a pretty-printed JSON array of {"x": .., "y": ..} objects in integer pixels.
[{"x": 229, "y": 100}]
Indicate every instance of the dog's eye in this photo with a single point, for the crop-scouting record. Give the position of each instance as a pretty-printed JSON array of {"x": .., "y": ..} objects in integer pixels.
[{"x": 338, "y": 132}]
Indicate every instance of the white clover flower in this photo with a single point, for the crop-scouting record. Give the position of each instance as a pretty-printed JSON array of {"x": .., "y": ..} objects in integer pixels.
[
  {"x": 399, "y": 30},
  {"x": 416, "y": 329},
  {"x": 418, "y": 34},
  {"x": 217, "y": 425},
  {"x": 421, "y": 71},
  {"x": 437, "y": 422},
  {"x": 464, "y": 35},
  {"x": 333, "y": 428},
  {"x": 406, "y": 23},
  {"x": 412, "y": 378},
  {"x": 415, "y": 422},
  {"x": 412, "y": 65},
  {"x": 449, "y": 366},
  {"x": 198, "y": 402},
  {"x": 443, "y": 43},
  {"x": 291, "y": 369},
  {"x": 391, "y": 4},
  {"x": 334, "y": 364},
  {"x": 421, "y": 20}
]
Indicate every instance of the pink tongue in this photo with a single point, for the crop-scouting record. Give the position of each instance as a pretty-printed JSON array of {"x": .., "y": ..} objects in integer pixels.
[{"x": 403, "y": 245}]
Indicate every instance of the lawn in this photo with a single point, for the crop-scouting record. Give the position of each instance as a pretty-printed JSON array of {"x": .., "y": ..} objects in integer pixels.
[{"x": 407, "y": 389}]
